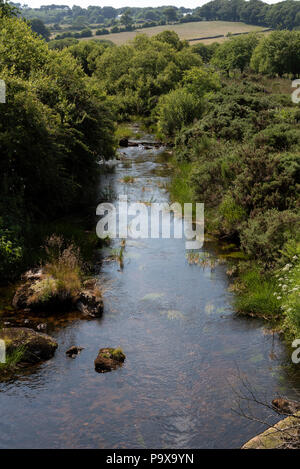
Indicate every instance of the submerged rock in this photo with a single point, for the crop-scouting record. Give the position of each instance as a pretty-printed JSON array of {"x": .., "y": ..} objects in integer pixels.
[
  {"x": 109, "y": 359},
  {"x": 73, "y": 351},
  {"x": 33, "y": 346}
]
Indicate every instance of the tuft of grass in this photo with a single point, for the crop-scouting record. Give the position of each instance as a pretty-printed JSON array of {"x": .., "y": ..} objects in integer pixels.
[
  {"x": 128, "y": 179},
  {"x": 118, "y": 254},
  {"x": 12, "y": 359},
  {"x": 256, "y": 294},
  {"x": 117, "y": 354},
  {"x": 124, "y": 131},
  {"x": 203, "y": 259},
  {"x": 181, "y": 188},
  {"x": 63, "y": 272}
]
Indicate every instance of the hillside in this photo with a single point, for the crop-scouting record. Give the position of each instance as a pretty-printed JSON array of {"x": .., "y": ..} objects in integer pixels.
[{"x": 188, "y": 31}]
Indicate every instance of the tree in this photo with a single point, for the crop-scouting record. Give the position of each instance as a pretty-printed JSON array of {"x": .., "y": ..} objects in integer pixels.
[
  {"x": 177, "y": 109},
  {"x": 109, "y": 12},
  {"x": 235, "y": 53},
  {"x": 126, "y": 19},
  {"x": 39, "y": 27},
  {"x": 200, "y": 80},
  {"x": 171, "y": 14},
  {"x": 151, "y": 15},
  {"x": 278, "y": 54},
  {"x": 54, "y": 128},
  {"x": 6, "y": 9},
  {"x": 170, "y": 37},
  {"x": 79, "y": 22}
]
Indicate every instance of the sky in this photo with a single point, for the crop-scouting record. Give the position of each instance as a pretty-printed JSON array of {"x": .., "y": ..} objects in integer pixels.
[{"x": 121, "y": 3}]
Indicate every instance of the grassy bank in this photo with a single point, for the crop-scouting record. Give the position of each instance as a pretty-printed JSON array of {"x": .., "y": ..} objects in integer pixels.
[{"x": 247, "y": 172}]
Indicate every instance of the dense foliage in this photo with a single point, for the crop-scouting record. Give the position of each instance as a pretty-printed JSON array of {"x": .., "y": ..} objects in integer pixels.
[
  {"x": 138, "y": 74},
  {"x": 282, "y": 15},
  {"x": 54, "y": 127},
  {"x": 227, "y": 108}
]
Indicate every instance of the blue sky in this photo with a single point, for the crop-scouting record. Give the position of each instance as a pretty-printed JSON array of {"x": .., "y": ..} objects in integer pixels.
[{"x": 122, "y": 3}]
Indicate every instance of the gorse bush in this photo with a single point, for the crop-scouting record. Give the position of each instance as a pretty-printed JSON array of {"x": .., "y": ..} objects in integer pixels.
[
  {"x": 264, "y": 235},
  {"x": 242, "y": 159},
  {"x": 176, "y": 110}
]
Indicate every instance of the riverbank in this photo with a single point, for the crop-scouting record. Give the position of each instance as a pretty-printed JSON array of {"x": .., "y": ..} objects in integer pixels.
[
  {"x": 247, "y": 175},
  {"x": 283, "y": 435},
  {"x": 173, "y": 318}
]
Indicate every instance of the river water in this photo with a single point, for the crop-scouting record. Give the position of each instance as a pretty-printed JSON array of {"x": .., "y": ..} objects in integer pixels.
[{"x": 187, "y": 351}]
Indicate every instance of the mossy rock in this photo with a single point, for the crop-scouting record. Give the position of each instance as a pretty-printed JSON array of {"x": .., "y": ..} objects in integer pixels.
[
  {"x": 36, "y": 295},
  {"x": 274, "y": 437},
  {"x": 34, "y": 346},
  {"x": 109, "y": 359}
]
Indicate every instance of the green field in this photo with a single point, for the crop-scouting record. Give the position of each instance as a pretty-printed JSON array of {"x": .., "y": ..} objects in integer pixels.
[{"x": 188, "y": 31}]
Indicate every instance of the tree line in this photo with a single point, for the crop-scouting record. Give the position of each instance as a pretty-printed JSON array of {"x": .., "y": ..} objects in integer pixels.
[
  {"x": 282, "y": 15},
  {"x": 55, "y": 127}
]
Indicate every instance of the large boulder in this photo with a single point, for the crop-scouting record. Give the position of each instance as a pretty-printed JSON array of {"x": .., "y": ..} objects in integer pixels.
[
  {"x": 33, "y": 346},
  {"x": 25, "y": 291},
  {"x": 39, "y": 292},
  {"x": 280, "y": 436},
  {"x": 109, "y": 359}
]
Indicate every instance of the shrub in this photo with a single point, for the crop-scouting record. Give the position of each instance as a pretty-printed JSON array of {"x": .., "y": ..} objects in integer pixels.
[
  {"x": 267, "y": 180},
  {"x": 10, "y": 255},
  {"x": 232, "y": 214},
  {"x": 86, "y": 33},
  {"x": 277, "y": 137},
  {"x": 176, "y": 110},
  {"x": 264, "y": 235},
  {"x": 102, "y": 32}
]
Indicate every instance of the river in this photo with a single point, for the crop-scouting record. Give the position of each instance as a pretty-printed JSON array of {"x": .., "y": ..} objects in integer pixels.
[{"x": 186, "y": 349}]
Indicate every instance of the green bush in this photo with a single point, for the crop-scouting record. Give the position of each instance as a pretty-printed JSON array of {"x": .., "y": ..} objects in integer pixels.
[
  {"x": 176, "y": 110},
  {"x": 10, "y": 256},
  {"x": 266, "y": 180},
  {"x": 263, "y": 236},
  {"x": 232, "y": 214},
  {"x": 278, "y": 137}
]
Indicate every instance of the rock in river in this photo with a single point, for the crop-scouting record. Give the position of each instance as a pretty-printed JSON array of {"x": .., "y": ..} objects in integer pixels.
[
  {"x": 90, "y": 302},
  {"x": 109, "y": 359},
  {"x": 73, "y": 351},
  {"x": 34, "y": 346},
  {"x": 40, "y": 292},
  {"x": 123, "y": 142}
]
